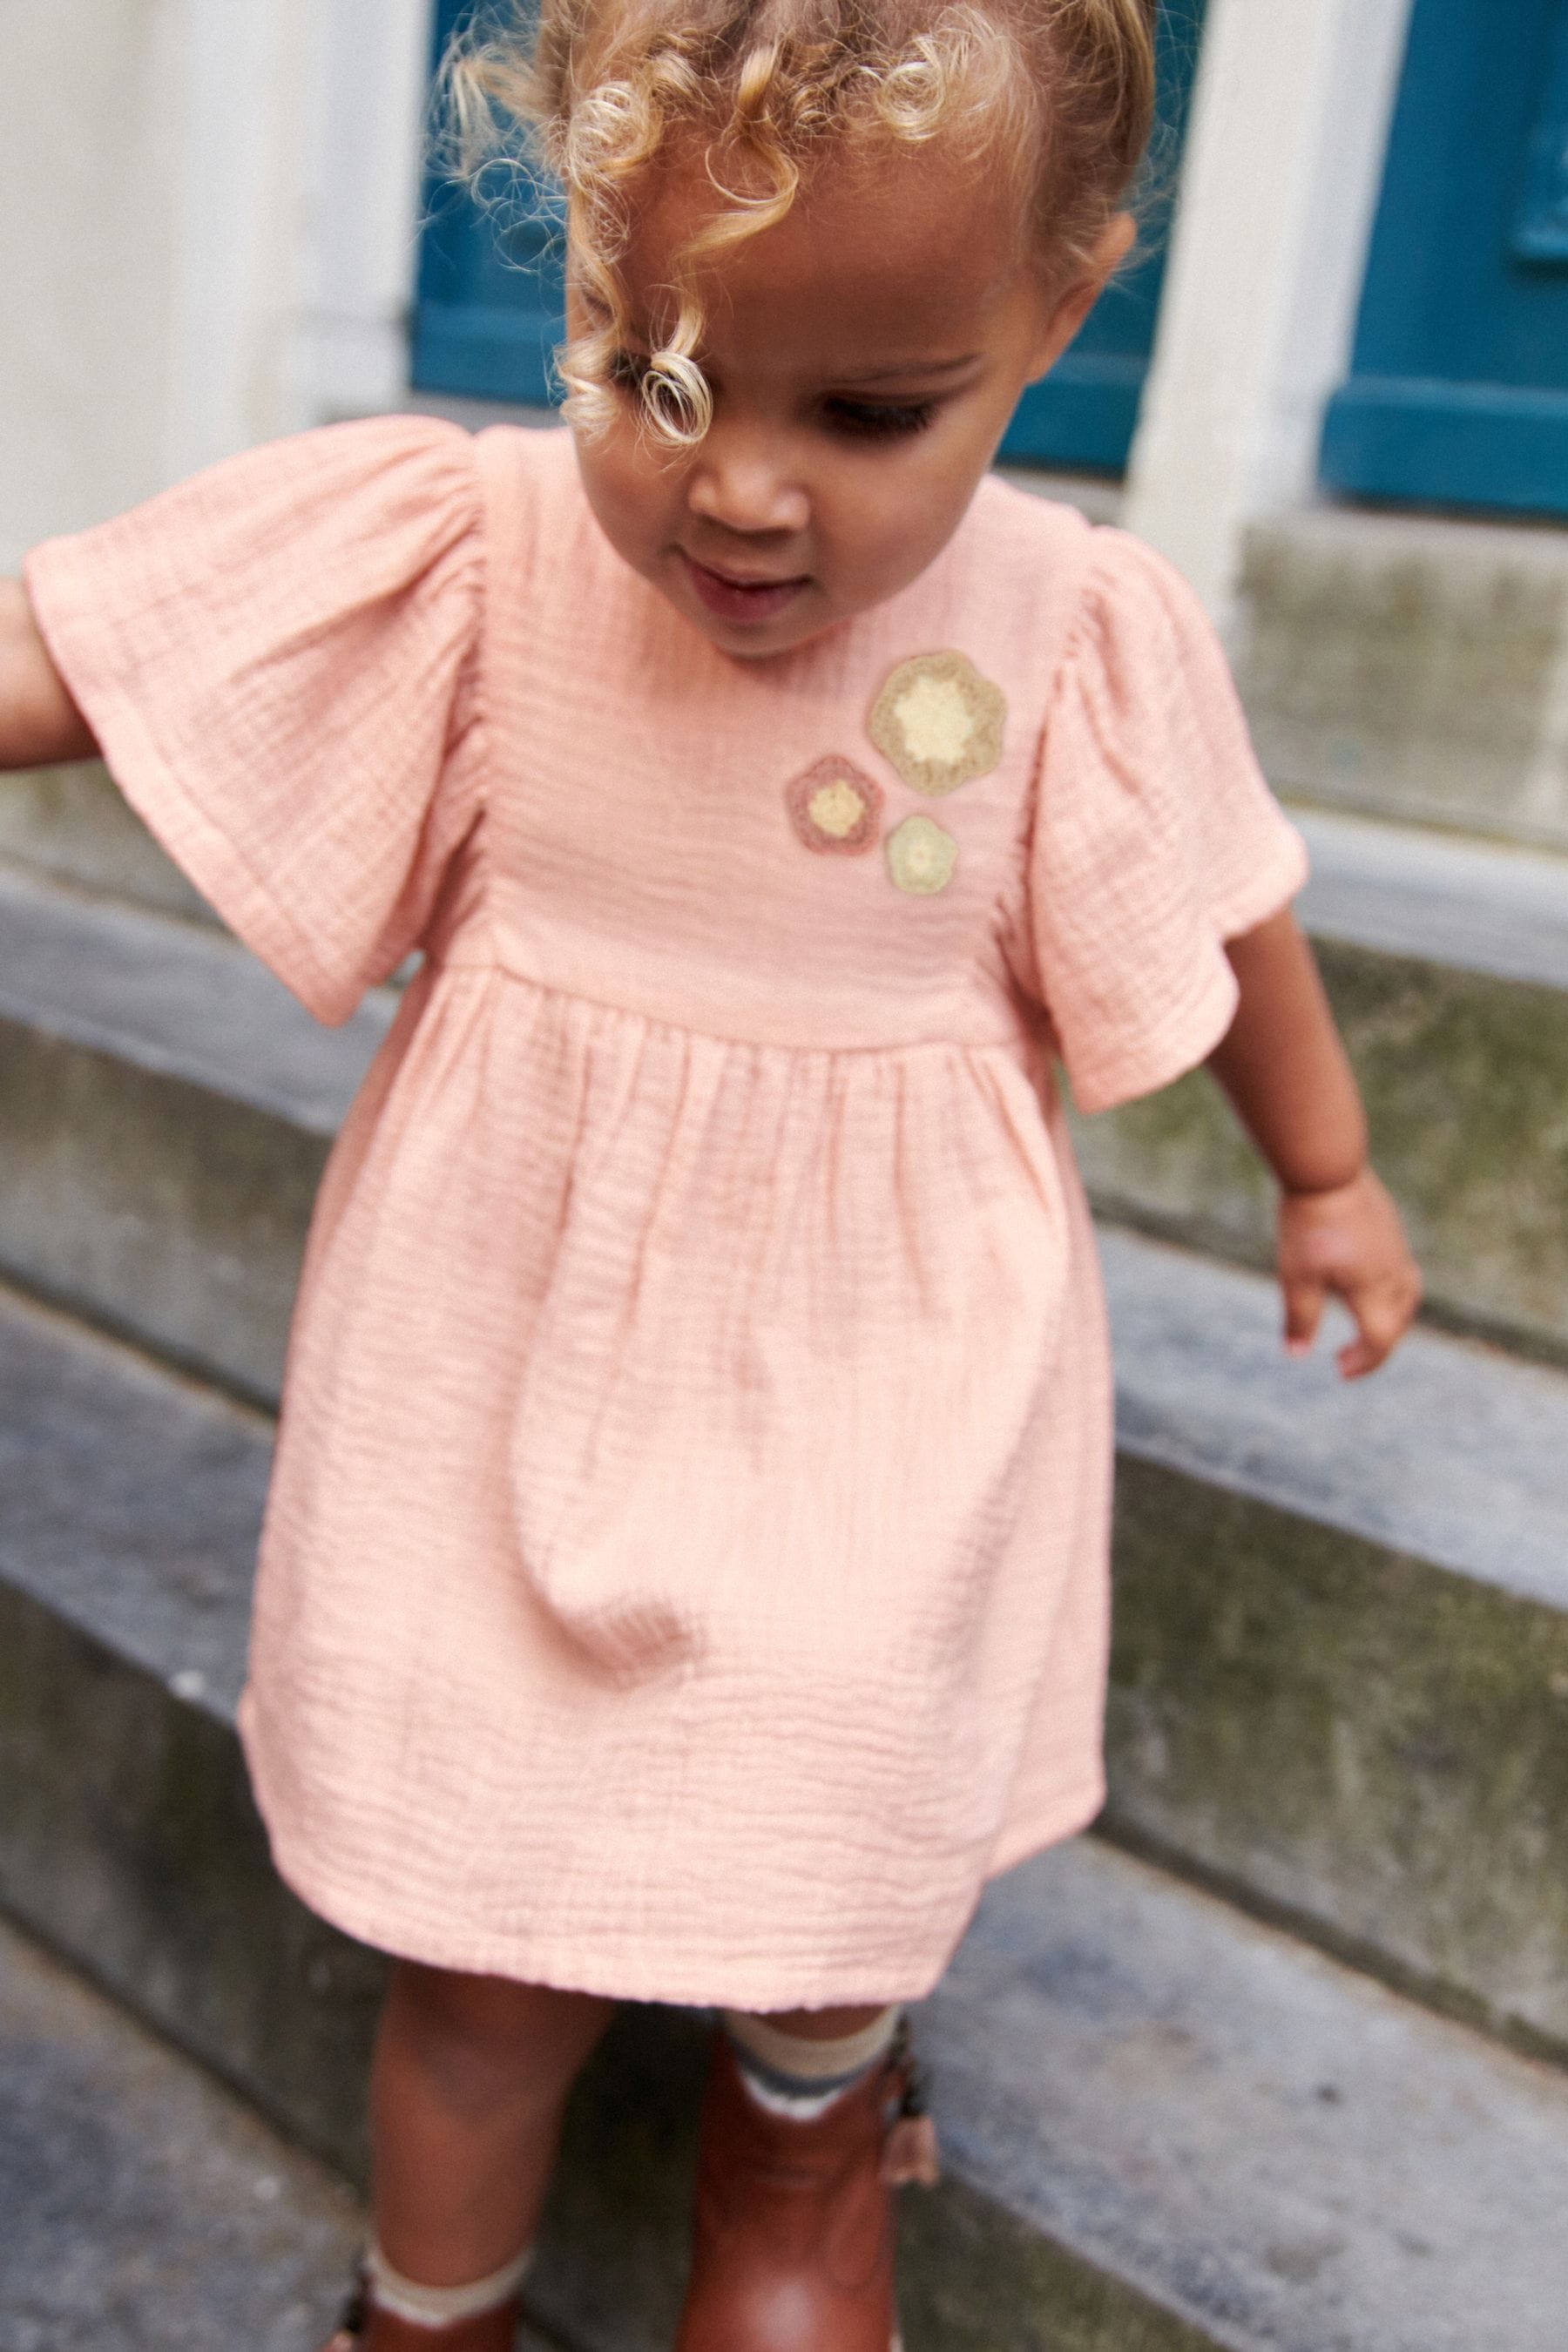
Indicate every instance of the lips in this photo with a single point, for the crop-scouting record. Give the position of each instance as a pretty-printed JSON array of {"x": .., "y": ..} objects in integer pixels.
[{"x": 733, "y": 597}]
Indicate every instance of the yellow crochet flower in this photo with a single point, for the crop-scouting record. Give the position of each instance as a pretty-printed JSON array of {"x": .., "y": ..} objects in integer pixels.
[
  {"x": 921, "y": 856},
  {"x": 939, "y": 722}
]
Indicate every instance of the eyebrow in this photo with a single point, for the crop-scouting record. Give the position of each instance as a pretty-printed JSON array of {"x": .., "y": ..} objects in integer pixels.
[{"x": 911, "y": 367}]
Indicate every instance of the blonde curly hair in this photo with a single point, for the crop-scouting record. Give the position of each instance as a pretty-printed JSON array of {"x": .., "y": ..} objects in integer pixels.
[{"x": 1057, "y": 94}]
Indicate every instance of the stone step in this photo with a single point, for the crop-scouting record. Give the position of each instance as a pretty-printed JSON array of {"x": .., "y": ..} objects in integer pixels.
[
  {"x": 166, "y": 1107},
  {"x": 1412, "y": 667},
  {"x": 1168, "y": 2127},
  {"x": 1471, "y": 906},
  {"x": 146, "y": 2209},
  {"x": 1340, "y": 1675},
  {"x": 75, "y": 825},
  {"x": 1447, "y": 964},
  {"x": 1279, "y": 2151}
]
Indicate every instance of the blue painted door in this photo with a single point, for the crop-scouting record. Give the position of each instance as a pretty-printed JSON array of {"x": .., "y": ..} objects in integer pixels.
[
  {"x": 488, "y": 308},
  {"x": 1459, "y": 394}
]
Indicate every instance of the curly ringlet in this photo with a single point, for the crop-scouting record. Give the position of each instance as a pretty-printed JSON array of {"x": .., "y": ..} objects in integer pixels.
[{"x": 1059, "y": 94}]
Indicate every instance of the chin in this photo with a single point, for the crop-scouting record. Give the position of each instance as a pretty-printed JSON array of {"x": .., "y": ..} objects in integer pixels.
[
  {"x": 756, "y": 643},
  {"x": 749, "y": 648}
]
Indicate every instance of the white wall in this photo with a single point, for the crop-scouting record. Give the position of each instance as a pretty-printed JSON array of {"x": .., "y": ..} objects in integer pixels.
[
  {"x": 1284, "y": 164},
  {"x": 208, "y": 231},
  {"x": 89, "y": 136}
]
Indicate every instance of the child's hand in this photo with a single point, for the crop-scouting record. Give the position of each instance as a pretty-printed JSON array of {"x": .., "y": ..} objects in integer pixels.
[{"x": 1348, "y": 1242}]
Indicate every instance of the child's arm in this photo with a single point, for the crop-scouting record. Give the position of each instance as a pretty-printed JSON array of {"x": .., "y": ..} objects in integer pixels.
[
  {"x": 39, "y": 723},
  {"x": 1284, "y": 1068}
]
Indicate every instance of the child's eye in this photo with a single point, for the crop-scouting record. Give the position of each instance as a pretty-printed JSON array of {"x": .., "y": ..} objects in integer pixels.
[{"x": 866, "y": 420}]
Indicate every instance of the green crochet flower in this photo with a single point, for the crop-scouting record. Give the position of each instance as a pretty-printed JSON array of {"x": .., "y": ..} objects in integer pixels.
[{"x": 922, "y": 857}]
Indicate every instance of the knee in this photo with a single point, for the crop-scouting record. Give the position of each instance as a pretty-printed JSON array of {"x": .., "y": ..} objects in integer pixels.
[{"x": 485, "y": 2042}]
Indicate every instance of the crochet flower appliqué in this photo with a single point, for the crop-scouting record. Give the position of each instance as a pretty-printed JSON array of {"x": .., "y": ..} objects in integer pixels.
[
  {"x": 939, "y": 722},
  {"x": 834, "y": 809},
  {"x": 922, "y": 857}
]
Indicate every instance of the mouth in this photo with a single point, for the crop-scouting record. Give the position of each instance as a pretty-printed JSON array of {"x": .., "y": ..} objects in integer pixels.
[{"x": 734, "y": 596}]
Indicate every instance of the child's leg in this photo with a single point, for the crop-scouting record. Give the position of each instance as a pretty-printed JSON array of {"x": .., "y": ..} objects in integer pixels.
[{"x": 469, "y": 2081}]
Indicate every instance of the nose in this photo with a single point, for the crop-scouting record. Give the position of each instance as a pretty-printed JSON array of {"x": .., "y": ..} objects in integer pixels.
[{"x": 741, "y": 480}]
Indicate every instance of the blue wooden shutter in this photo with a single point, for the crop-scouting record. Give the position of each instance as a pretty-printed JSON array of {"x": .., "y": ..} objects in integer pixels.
[
  {"x": 488, "y": 312},
  {"x": 1459, "y": 394},
  {"x": 1085, "y": 413}
]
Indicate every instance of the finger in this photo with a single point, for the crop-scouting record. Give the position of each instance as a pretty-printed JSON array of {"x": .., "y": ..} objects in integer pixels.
[
  {"x": 1305, "y": 1296},
  {"x": 1358, "y": 1357},
  {"x": 1383, "y": 1316}
]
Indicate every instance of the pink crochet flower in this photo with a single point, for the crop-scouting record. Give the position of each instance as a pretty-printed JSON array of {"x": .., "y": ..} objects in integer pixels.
[{"x": 835, "y": 808}]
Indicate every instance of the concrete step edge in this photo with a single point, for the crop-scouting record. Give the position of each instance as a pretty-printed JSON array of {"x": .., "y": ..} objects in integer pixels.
[{"x": 1450, "y": 899}]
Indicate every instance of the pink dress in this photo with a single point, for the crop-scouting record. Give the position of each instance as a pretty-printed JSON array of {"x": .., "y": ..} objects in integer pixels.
[{"x": 685, "y": 1569}]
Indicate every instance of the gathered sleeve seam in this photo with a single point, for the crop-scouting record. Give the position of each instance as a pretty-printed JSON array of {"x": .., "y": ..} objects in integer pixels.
[
  {"x": 1087, "y": 613},
  {"x": 481, "y": 720},
  {"x": 1010, "y": 909}
]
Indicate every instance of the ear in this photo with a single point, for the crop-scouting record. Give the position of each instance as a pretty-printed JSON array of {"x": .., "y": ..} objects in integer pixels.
[{"x": 1074, "y": 301}]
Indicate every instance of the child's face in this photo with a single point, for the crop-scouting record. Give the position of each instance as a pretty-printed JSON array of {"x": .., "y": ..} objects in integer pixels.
[{"x": 864, "y": 356}]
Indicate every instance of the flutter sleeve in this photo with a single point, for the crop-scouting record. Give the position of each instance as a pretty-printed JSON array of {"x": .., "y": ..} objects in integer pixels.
[
  {"x": 278, "y": 660},
  {"x": 1154, "y": 837}
]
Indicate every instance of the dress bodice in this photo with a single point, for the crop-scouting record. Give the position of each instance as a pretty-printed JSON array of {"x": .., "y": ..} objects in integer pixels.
[{"x": 823, "y": 849}]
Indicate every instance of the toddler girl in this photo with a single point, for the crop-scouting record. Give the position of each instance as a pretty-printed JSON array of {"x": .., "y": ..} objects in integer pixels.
[{"x": 684, "y": 1574}]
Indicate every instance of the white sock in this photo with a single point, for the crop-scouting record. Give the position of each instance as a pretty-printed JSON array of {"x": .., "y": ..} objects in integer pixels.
[
  {"x": 440, "y": 2306},
  {"x": 797, "y": 2075}
]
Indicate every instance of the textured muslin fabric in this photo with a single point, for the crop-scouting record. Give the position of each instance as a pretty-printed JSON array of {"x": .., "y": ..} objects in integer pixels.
[{"x": 684, "y": 1573}]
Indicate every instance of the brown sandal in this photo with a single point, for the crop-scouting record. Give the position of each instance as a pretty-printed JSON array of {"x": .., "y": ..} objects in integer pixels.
[{"x": 354, "y": 2315}]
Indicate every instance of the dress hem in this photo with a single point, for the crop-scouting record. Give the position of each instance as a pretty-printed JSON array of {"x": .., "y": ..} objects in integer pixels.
[{"x": 536, "y": 1961}]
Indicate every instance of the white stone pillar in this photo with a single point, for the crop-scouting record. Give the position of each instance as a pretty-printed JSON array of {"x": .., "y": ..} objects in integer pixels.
[
  {"x": 299, "y": 210},
  {"x": 1283, "y": 170},
  {"x": 243, "y": 218}
]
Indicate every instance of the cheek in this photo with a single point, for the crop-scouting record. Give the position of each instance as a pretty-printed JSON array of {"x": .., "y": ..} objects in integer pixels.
[
  {"x": 892, "y": 520},
  {"x": 632, "y": 498}
]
